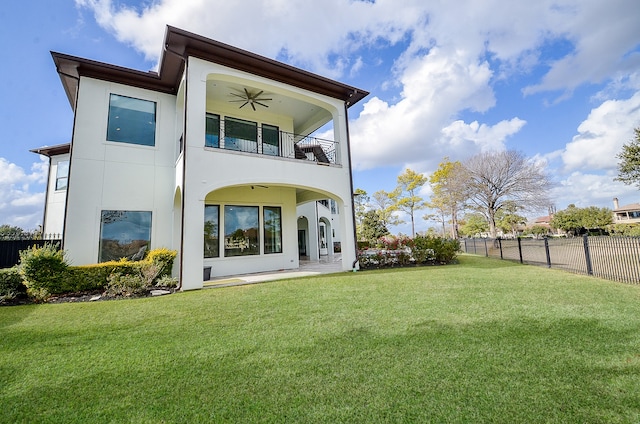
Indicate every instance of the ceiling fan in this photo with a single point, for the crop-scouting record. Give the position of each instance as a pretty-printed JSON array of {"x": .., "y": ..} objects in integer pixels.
[{"x": 249, "y": 98}]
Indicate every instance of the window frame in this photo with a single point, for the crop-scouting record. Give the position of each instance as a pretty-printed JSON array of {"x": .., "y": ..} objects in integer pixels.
[
  {"x": 215, "y": 238},
  {"x": 277, "y": 240},
  {"x": 239, "y": 143},
  {"x": 209, "y": 117},
  {"x": 131, "y": 135},
  {"x": 252, "y": 247},
  {"x": 59, "y": 177},
  {"x": 131, "y": 253},
  {"x": 270, "y": 127}
]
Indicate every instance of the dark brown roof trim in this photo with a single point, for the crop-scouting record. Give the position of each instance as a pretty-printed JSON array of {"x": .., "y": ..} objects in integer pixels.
[
  {"x": 180, "y": 44},
  {"x": 49, "y": 151}
]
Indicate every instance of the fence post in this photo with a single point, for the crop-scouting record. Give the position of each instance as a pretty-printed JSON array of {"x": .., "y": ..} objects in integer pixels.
[
  {"x": 500, "y": 244},
  {"x": 486, "y": 249},
  {"x": 587, "y": 254},
  {"x": 546, "y": 250},
  {"x": 520, "y": 250}
]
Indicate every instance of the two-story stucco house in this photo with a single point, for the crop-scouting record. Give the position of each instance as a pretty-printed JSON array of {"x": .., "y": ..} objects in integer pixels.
[
  {"x": 627, "y": 214},
  {"x": 211, "y": 156}
]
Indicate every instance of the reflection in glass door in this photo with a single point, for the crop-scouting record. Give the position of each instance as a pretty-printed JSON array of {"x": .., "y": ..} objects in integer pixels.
[{"x": 322, "y": 234}]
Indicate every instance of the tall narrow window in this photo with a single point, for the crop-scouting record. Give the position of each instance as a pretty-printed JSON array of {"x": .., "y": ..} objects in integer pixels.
[
  {"x": 212, "y": 133},
  {"x": 270, "y": 140},
  {"x": 131, "y": 120},
  {"x": 124, "y": 234},
  {"x": 272, "y": 229},
  {"x": 240, "y": 135},
  {"x": 62, "y": 175},
  {"x": 211, "y": 226},
  {"x": 241, "y": 231}
]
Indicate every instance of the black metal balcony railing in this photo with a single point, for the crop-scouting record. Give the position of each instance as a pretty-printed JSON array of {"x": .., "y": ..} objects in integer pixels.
[{"x": 287, "y": 145}]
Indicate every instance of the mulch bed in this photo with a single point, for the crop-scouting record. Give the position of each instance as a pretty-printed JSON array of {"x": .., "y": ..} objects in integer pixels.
[{"x": 90, "y": 296}]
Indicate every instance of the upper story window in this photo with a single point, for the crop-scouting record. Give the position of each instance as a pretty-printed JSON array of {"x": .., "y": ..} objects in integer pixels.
[
  {"x": 62, "y": 175},
  {"x": 240, "y": 135},
  {"x": 131, "y": 120},
  {"x": 212, "y": 132},
  {"x": 270, "y": 140}
]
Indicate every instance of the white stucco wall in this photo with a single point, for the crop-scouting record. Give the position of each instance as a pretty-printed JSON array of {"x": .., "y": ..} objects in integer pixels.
[
  {"x": 107, "y": 175},
  {"x": 290, "y": 181},
  {"x": 56, "y": 200}
]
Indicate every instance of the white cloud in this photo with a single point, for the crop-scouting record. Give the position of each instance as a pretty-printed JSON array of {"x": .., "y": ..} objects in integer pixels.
[
  {"x": 601, "y": 136},
  {"x": 454, "y": 53},
  {"x": 20, "y": 205},
  {"x": 605, "y": 39},
  {"x": 592, "y": 189},
  {"x": 436, "y": 87}
]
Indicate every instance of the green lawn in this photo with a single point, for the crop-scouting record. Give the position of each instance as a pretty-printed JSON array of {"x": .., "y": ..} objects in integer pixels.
[{"x": 482, "y": 341}]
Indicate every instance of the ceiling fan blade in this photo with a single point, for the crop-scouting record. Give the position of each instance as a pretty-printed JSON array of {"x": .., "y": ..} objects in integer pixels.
[
  {"x": 237, "y": 95},
  {"x": 243, "y": 105},
  {"x": 261, "y": 104},
  {"x": 262, "y": 100},
  {"x": 253, "y": 106},
  {"x": 247, "y": 93}
]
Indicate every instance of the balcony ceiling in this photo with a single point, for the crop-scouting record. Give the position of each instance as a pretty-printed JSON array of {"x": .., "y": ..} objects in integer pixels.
[{"x": 307, "y": 117}]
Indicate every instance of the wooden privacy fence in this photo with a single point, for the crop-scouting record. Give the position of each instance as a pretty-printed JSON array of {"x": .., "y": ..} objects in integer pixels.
[
  {"x": 612, "y": 258},
  {"x": 10, "y": 250}
]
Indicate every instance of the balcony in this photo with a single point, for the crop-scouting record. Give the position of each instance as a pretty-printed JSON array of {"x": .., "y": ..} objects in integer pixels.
[{"x": 248, "y": 137}]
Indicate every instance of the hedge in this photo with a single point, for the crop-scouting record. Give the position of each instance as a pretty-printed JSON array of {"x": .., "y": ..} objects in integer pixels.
[
  {"x": 406, "y": 251},
  {"x": 45, "y": 271}
]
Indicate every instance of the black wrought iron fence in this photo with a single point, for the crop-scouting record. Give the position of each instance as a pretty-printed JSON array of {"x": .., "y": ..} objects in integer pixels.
[
  {"x": 10, "y": 248},
  {"x": 612, "y": 258}
]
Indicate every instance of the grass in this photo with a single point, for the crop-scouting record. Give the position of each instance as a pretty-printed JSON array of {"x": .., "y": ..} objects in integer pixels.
[{"x": 482, "y": 341}]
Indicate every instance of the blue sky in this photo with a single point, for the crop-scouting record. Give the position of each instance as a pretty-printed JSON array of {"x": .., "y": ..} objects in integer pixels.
[{"x": 558, "y": 80}]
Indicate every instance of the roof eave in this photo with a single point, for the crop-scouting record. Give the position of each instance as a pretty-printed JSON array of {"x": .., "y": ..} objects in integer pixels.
[
  {"x": 50, "y": 151},
  {"x": 180, "y": 44}
]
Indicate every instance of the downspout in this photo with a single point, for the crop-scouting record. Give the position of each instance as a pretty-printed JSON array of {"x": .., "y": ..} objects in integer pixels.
[{"x": 353, "y": 210}]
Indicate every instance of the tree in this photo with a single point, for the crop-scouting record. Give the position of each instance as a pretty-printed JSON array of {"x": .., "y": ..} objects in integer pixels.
[
  {"x": 508, "y": 220},
  {"x": 595, "y": 218},
  {"x": 538, "y": 230},
  {"x": 567, "y": 220},
  {"x": 361, "y": 203},
  {"x": 385, "y": 206},
  {"x": 629, "y": 165},
  {"x": 449, "y": 192},
  {"x": 575, "y": 220},
  {"x": 472, "y": 224},
  {"x": 496, "y": 178},
  {"x": 11, "y": 232},
  {"x": 372, "y": 228},
  {"x": 406, "y": 195}
]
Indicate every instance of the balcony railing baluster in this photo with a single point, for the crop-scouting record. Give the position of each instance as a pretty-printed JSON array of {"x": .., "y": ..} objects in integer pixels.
[{"x": 293, "y": 146}]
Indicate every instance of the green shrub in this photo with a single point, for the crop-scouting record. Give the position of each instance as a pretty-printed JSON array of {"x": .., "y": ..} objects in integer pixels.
[
  {"x": 125, "y": 284},
  {"x": 157, "y": 264},
  {"x": 11, "y": 285},
  {"x": 167, "y": 281},
  {"x": 44, "y": 271},
  {"x": 438, "y": 249},
  {"x": 163, "y": 258},
  {"x": 404, "y": 251}
]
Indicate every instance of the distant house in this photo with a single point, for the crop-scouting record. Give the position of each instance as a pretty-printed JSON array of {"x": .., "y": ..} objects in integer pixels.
[
  {"x": 215, "y": 156},
  {"x": 627, "y": 214}
]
